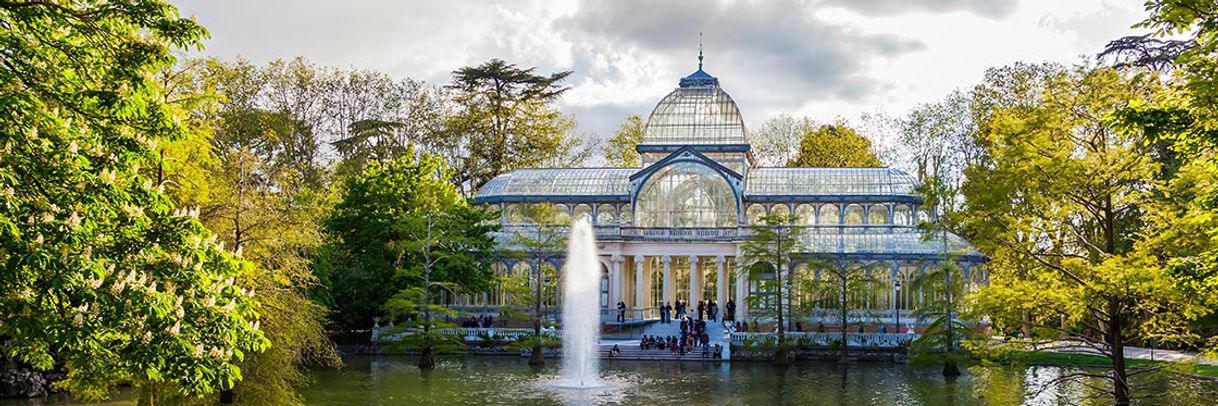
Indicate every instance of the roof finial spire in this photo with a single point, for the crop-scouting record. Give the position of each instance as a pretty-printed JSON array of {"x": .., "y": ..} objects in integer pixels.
[{"x": 699, "y": 50}]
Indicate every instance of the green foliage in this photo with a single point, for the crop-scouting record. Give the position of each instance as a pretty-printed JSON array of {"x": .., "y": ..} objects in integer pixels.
[
  {"x": 620, "y": 151},
  {"x": 1063, "y": 198},
  {"x": 534, "y": 341},
  {"x": 773, "y": 242},
  {"x": 775, "y": 142},
  {"x": 505, "y": 122},
  {"x": 102, "y": 275},
  {"x": 834, "y": 146},
  {"x": 381, "y": 225},
  {"x": 261, "y": 206}
]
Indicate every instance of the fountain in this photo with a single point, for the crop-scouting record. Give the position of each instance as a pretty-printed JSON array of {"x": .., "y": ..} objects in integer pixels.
[{"x": 581, "y": 309}]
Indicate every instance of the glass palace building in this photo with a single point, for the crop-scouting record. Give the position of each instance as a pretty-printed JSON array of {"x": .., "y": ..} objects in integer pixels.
[{"x": 673, "y": 228}]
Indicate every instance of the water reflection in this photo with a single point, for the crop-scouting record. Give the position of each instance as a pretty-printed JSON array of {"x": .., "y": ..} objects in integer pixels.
[{"x": 481, "y": 380}]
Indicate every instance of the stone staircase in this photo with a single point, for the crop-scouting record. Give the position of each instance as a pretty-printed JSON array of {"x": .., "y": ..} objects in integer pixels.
[{"x": 631, "y": 351}]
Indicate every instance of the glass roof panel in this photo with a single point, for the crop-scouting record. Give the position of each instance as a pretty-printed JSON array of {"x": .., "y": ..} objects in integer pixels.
[
  {"x": 695, "y": 115},
  {"x": 828, "y": 181},
  {"x": 560, "y": 182},
  {"x": 860, "y": 241}
]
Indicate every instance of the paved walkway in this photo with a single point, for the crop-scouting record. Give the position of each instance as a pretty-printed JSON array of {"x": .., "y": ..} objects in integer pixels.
[{"x": 1130, "y": 352}]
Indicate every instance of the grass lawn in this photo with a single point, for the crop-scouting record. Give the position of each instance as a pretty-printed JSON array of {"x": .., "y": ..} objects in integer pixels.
[{"x": 1090, "y": 360}]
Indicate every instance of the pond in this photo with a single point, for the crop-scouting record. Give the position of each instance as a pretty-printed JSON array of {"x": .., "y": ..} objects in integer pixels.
[
  {"x": 394, "y": 380},
  {"x": 470, "y": 380}
]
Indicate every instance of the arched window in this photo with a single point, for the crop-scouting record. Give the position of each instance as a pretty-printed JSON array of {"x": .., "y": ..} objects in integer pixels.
[
  {"x": 755, "y": 213},
  {"x": 900, "y": 215},
  {"x": 829, "y": 215},
  {"x": 605, "y": 214},
  {"x": 806, "y": 213},
  {"x": 780, "y": 210},
  {"x": 562, "y": 214},
  {"x": 581, "y": 210},
  {"x": 604, "y": 286},
  {"x": 514, "y": 214},
  {"x": 686, "y": 194},
  {"x": 854, "y": 215},
  {"x": 626, "y": 217},
  {"x": 878, "y": 214}
]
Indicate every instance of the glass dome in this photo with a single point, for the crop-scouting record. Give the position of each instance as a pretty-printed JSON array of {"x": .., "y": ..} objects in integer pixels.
[
  {"x": 695, "y": 115},
  {"x": 686, "y": 194}
]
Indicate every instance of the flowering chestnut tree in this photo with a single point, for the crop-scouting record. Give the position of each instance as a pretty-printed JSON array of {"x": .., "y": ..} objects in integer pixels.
[{"x": 99, "y": 273}]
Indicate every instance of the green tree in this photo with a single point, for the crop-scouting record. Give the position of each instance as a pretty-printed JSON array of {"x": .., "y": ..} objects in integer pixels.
[
  {"x": 776, "y": 143},
  {"x": 451, "y": 242},
  {"x": 834, "y": 146},
  {"x": 620, "y": 151},
  {"x": 102, "y": 274},
  {"x": 504, "y": 121},
  {"x": 273, "y": 219},
  {"x": 839, "y": 282},
  {"x": 773, "y": 242},
  {"x": 380, "y": 229},
  {"x": 536, "y": 243},
  {"x": 1064, "y": 189}
]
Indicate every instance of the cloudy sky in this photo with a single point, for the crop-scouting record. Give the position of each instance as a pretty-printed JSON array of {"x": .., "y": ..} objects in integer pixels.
[{"x": 820, "y": 58}]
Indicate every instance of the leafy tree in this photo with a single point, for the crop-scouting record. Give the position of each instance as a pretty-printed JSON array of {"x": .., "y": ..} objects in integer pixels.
[
  {"x": 102, "y": 274},
  {"x": 834, "y": 146},
  {"x": 839, "y": 282},
  {"x": 541, "y": 240},
  {"x": 1064, "y": 188},
  {"x": 273, "y": 219},
  {"x": 773, "y": 242},
  {"x": 381, "y": 229},
  {"x": 503, "y": 121},
  {"x": 776, "y": 143},
  {"x": 620, "y": 150}
]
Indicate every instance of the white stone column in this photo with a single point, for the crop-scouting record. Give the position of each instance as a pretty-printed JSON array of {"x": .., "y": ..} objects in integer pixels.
[
  {"x": 720, "y": 281},
  {"x": 694, "y": 282},
  {"x": 669, "y": 292},
  {"x": 639, "y": 292},
  {"x": 615, "y": 281},
  {"x": 741, "y": 295}
]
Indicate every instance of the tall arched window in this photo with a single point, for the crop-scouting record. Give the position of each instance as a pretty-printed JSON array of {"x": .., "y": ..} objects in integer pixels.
[
  {"x": 780, "y": 210},
  {"x": 878, "y": 214},
  {"x": 605, "y": 214},
  {"x": 580, "y": 211},
  {"x": 755, "y": 213},
  {"x": 807, "y": 214},
  {"x": 514, "y": 214},
  {"x": 828, "y": 215},
  {"x": 853, "y": 215},
  {"x": 900, "y": 215},
  {"x": 686, "y": 194},
  {"x": 562, "y": 214}
]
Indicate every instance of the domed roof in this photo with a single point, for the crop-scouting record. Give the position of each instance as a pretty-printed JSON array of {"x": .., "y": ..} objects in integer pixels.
[{"x": 698, "y": 112}]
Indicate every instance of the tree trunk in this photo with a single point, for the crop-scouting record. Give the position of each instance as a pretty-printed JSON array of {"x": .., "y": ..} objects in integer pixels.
[
  {"x": 537, "y": 358},
  {"x": 780, "y": 353},
  {"x": 1120, "y": 382},
  {"x": 427, "y": 359},
  {"x": 845, "y": 352}
]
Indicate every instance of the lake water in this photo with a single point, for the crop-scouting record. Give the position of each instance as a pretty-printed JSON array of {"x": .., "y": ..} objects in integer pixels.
[
  {"x": 394, "y": 380},
  {"x": 477, "y": 380}
]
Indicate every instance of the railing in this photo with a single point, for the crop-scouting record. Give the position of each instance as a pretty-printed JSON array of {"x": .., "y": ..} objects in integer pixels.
[
  {"x": 700, "y": 234},
  {"x": 853, "y": 340},
  {"x": 469, "y": 334}
]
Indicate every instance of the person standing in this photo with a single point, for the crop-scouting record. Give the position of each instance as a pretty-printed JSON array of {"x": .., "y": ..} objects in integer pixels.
[
  {"x": 731, "y": 310},
  {"x": 701, "y": 310},
  {"x": 666, "y": 313},
  {"x": 712, "y": 310},
  {"x": 621, "y": 312},
  {"x": 680, "y": 309}
]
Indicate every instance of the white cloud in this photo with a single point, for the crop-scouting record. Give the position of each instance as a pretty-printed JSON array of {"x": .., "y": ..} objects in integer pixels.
[{"x": 823, "y": 58}]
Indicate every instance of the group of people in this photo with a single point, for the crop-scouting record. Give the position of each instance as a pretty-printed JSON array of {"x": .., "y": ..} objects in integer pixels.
[
  {"x": 706, "y": 310},
  {"x": 481, "y": 321}
]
